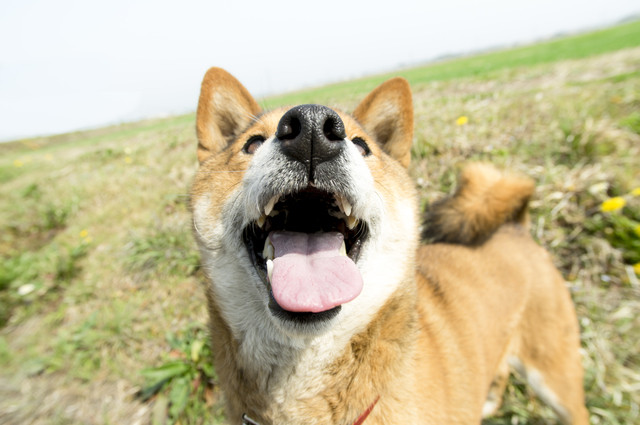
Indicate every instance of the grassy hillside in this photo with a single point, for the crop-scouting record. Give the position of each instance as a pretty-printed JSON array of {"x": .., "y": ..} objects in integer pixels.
[
  {"x": 479, "y": 66},
  {"x": 100, "y": 291}
]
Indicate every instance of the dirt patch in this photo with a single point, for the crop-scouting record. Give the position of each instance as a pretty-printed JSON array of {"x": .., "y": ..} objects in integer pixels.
[{"x": 56, "y": 399}]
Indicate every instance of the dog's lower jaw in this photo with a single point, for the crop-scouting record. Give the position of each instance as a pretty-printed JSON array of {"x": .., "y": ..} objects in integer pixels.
[{"x": 288, "y": 384}]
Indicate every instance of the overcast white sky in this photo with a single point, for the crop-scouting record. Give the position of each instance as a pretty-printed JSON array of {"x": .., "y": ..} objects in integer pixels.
[{"x": 72, "y": 64}]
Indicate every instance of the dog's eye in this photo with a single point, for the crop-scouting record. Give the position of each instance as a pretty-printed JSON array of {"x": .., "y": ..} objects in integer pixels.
[
  {"x": 362, "y": 146},
  {"x": 253, "y": 144}
]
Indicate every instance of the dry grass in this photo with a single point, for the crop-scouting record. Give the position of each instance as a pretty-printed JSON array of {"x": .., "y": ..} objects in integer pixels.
[{"x": 99, "y": 270}]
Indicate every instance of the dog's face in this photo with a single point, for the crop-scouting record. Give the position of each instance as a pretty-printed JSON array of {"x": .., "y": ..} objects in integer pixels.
[{"x": 305, "y": 216}]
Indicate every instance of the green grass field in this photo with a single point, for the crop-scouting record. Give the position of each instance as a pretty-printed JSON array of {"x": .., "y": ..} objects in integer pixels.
[{"x": 102, "y": 314}]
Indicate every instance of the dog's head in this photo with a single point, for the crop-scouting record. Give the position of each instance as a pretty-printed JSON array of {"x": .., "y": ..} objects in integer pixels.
[{"x": 305, "y": 216}]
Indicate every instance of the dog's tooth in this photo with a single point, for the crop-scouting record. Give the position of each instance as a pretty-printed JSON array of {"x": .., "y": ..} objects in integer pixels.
[
  {"x": 270, "y": 269},
  {"x": 269, "y": 207},
  {"x": 268, "y": 251},
  {"x": 347, "y": 207},
  {"x": 343, "y": 204},
  {"x": 260, "y": 221},
  {"x": 351, "y": 222},
  {"x": 343, "y": 249}
]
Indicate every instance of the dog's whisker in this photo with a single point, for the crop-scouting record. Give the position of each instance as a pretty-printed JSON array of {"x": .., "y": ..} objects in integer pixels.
[
  {"x": 195, "y": 227},
  {"x": 224, "y": 171},
  {"x": 254, "y": 118}
]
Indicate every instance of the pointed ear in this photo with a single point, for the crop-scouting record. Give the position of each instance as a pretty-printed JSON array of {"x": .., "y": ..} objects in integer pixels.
[
  {"x": 225, "y": 109},
  {"x": 387, "y": 114}
]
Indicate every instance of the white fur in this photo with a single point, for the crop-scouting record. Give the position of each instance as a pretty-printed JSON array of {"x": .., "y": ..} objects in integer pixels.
[
  {"x": 535, "y": 379},
  {"x": 242, "y": 297},
  {"x": 490, "y": 407}
]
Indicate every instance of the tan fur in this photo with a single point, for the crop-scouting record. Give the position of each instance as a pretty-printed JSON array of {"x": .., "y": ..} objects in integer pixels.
[
  {"x": 483, "y": 202},
  {"x": 225, "y": 106},
  {"x": 387, "y": 112},
  {"x": 463, "y": 310}
]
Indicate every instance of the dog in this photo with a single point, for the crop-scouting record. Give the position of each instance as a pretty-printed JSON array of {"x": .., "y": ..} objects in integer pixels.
[{"x": 325, "y": 305}]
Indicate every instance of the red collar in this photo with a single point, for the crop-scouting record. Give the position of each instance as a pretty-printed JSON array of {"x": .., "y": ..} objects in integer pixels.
[
  {"x": 364, "y": 415},
  {"x": 248, "y": 421}
]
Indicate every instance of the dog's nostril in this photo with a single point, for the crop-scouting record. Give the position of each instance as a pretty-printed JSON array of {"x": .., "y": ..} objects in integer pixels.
[
  {"x": 333, "y": 130},
  {"x": 289, "y": 129},
  {"x": 310, "y": 135}
]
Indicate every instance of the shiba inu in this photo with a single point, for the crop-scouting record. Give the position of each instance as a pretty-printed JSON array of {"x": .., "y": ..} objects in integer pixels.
[{"x": 325, "y": 306}]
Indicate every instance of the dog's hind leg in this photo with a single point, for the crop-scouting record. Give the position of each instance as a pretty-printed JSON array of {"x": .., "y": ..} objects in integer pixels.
[{"x": 548, "y": 354}]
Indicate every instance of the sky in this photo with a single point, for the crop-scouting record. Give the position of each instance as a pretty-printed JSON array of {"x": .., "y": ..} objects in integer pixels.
[{"x": 67, "y": 65}]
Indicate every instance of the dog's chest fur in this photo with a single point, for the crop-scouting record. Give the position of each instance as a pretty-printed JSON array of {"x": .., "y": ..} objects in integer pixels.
[{"x": 291, "y": 385}]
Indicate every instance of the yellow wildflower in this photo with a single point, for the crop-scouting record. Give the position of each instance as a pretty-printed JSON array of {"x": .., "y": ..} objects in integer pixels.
[
  {"x": 636, "y": 230},
  {"x": 462, "y": 120},
  {"x": 636, "y": 268},
  {"x": 128, "y": 160},
  {"x": 613, "y": 204},
  {"x": 18, "y": 163},
  {"x": 84, "y": 233},
  {"x": 636, "y": 191}
]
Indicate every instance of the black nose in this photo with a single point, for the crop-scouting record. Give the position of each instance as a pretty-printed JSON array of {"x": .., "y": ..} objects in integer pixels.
[{"x": 311, "y": 134}]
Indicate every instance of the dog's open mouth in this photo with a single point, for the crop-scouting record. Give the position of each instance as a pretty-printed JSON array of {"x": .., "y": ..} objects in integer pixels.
[{"x": 304, "y": 248}]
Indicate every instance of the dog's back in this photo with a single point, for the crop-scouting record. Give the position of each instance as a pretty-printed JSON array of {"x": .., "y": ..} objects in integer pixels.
[{"x": 489, "y": 288}]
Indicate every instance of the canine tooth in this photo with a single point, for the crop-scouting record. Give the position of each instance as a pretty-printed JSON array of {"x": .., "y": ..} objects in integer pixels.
[
  {"x": 267, "y": 251},
  {"x": 343, "y": 249},
  {"x": 351, "y": 222},
  {"x": 347, "y": 207},
  {"x": 261, "y": 220},
  {"x": 343, "y": 204},
  {"x": 269, "y": 207},
  {"x": 269, "y": 269}
]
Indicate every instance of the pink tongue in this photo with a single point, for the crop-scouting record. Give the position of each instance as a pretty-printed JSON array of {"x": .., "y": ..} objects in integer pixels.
[{"x": 310, "y": 274}]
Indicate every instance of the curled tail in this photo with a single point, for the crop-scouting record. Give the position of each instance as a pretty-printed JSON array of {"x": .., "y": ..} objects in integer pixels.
[{"x": 484, "y": 200}]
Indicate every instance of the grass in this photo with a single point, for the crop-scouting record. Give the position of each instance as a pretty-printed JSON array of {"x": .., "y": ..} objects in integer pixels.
[{"x": 101, "y": 311}]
